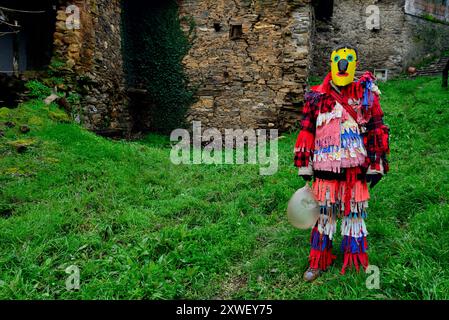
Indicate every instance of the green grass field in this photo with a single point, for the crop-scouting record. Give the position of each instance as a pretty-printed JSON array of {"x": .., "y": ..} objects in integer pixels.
[{"x": 139, "y": 227}]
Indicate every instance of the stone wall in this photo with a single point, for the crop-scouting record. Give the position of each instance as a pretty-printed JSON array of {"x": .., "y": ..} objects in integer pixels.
[
  {"x": 436, "y": 9},
  {"x": 93, "y": 55},
  {"x": 425, "y": 38},
  {"x": 249, "y": 60},
  {"x": 402, "y": 39}
]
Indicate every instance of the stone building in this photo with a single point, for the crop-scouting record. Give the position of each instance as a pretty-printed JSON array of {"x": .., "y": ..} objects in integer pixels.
[
  {"x": 94, "y": 53},
  {"x": 85, "y": 37},
  {"x": 405, "y": 32},
  {"x": 251, "y": 59}
]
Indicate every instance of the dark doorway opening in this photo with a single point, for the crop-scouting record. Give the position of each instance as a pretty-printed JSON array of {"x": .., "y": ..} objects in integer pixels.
[
  {"x": 324, "y": 9},
  {"x": 26, "y": 43},
  {"x": 26, "y": 34}
]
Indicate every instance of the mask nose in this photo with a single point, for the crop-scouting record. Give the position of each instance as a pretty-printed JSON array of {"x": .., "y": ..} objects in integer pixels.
[{"x": 343, "y": 65}]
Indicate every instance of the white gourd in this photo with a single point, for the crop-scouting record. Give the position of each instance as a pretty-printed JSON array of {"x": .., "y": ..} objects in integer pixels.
[{"x": 303, "y": 210}]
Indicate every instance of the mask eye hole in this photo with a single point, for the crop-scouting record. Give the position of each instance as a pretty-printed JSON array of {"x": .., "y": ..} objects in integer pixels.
[
  {"x": 336, "y": 58},
  {"x": 350, "y": 58}
]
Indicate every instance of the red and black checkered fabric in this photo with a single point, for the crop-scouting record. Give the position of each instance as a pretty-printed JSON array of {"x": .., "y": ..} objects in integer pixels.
[{"x": 376, "y": 137}]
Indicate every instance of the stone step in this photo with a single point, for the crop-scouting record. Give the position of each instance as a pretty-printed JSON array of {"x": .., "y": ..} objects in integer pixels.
[
  {"x": 429, "y": 73},
  {"x": 435, "y": 68}
]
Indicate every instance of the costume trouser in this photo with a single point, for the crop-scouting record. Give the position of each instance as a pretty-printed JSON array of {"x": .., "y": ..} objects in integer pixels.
[{"x": 347, "y": 200}]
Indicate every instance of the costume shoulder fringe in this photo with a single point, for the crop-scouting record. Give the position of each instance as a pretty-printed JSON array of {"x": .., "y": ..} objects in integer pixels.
[
  {"x": 368, "y": 80},
  {"x": 312, "y": 96},
  {"x": 367, "y": 89}
]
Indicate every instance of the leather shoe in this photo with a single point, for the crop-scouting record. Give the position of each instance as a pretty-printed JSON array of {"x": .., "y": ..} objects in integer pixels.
[{"x": 311, "y": 274}]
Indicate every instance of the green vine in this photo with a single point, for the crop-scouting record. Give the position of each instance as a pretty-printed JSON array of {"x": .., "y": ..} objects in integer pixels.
[{"x": 154, "y": 46}]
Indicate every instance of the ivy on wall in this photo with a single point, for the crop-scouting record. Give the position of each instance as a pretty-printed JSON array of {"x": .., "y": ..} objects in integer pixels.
[{"x": 154, "y": 46}]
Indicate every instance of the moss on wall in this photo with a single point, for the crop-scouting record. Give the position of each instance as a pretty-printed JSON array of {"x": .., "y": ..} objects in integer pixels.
[{"x": 154, "y": 46}]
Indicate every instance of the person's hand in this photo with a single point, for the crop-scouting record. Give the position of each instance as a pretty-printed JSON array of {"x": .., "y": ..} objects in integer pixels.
[
  {"x": 306, "y": 178},
  {"x": 373, "y": 179}
]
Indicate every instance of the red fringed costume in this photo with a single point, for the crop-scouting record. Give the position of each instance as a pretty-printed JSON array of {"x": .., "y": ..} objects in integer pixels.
[{"x": 342, "y": 140}]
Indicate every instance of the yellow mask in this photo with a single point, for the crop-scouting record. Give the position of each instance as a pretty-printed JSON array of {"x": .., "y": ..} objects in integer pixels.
[{"x": 343, "y": 65}]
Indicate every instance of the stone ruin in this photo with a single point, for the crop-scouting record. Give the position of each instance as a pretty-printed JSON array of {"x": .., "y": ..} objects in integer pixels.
[
  {"x": 91, "y": 54},
  {"x": 251, "y": 59},
  {"x": 402, "y": 36},
  {"x": 94, "y": 51}
]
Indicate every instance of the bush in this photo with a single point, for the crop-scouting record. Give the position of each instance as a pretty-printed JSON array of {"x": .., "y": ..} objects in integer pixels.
[{"x": 37, "y": 89}]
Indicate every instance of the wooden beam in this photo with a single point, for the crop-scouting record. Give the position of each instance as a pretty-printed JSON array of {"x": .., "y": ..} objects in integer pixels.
[{"x": 137, "y": 91}]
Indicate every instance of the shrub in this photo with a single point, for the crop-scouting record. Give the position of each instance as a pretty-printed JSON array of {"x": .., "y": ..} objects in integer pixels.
[{"x": 37, "y": 89}]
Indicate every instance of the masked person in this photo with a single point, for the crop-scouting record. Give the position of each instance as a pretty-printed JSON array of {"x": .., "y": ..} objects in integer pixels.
[{"x": 342, "y": 146}]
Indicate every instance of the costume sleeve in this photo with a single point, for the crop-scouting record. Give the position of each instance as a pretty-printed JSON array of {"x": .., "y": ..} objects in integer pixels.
[
  {"x": 306, "y": 138},
  {"x": 376, "y": 140}
]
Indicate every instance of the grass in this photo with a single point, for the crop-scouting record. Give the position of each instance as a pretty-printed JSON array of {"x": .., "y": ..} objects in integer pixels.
[{"x": 139, "y": 227}]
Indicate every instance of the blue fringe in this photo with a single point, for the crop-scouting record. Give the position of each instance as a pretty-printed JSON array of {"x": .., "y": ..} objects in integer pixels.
[
  {"x": 328, "y": 149},
  {"x": 362, "y": 215},
  {"x": 315, "y": 240},
  {"x": 356, "y": 245},
  {"x": 349, "y": 137},
  {"x": 325, "y": 241},
  {"x": 367, "y": 95}
]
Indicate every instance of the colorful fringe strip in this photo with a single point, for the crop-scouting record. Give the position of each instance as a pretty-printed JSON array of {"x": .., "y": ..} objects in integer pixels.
[
  {"x": 367, "y": 94},
  {"x": 327, "y": 222},
  {"x": 338, "y": 144},
  {"x": 354, "y": 253},
  {"x": 351, "y": 195},
  {"x": 332, "y": 197},
  {"x": 305, "y": 141},
  {"x": 321, "y": 256},
  {"x": 326, "y": 117}
]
